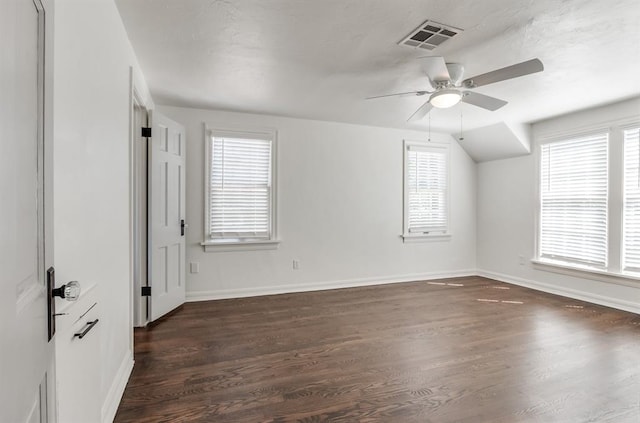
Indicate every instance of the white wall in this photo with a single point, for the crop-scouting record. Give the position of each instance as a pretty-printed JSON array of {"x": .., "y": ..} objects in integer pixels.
[
  {"x": 507, "y": 206},
  {"x": 339, "y": 210},
  {"x": 91, "y": 170}
]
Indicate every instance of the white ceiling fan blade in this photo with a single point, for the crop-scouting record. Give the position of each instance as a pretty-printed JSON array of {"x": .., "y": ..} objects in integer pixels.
[
  {"x": 484, "y": 101},
  {"x": 421, "y": 112},
  {"x": 408, "y": 93},
  {"x": 436, "y": 68},
  {"x": 513, "y": 71}
]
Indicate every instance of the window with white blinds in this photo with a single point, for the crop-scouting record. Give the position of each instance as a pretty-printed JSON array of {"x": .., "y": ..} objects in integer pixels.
[
  {"x": 426, "y": 189},
  {"x": 240, "y": 187},
  {"x": 573, "y": 200},
  {"x": 631, "y": 207}
]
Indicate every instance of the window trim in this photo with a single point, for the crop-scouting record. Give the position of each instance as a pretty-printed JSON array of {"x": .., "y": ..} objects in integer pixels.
[
  {"x": 247, "y": 244},
  {"x": 409, "y": 237},
  {"x": 614, "y": 273},
  {"x": 625, "y": 278}
]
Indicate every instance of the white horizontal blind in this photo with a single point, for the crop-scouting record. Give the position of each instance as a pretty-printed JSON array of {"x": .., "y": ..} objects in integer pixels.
[
  {"x": 573, "y": 197},
  {"x": 240, "y": 188},
  {"x": 631, "y": 220},
  {"x": 427, "y": 189}
]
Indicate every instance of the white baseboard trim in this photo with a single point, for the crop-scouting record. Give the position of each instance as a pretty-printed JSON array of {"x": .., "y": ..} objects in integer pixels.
[
  {"x": 114, "y": 395},
  {"x": 321, "y": 286},
  {"x": 616, "y": 303}
]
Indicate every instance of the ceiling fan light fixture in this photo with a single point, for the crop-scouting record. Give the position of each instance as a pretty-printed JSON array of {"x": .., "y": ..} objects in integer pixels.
[{"x": 444, "y": 99}]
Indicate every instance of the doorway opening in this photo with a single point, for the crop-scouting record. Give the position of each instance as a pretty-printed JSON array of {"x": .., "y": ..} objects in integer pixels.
[{"x": 138, "y": 210}]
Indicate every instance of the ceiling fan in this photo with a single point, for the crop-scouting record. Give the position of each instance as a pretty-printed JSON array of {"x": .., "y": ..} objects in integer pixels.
[{"x": 448, "y": 88}]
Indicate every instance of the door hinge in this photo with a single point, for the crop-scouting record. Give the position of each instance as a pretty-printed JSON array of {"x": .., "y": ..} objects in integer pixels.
[
  {"x": 146, "y": 132},
  {"x": 146, "y": 291}
]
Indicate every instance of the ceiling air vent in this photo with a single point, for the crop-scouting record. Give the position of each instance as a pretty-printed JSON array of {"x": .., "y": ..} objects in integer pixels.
[{"x": 430, "y": 35}]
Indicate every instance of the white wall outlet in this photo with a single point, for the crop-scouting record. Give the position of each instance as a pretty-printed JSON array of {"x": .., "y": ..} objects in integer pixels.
[
  {"x": 296, "y": 264},
  {"x": 521, "y": 260},
  {"x": 194, "y": 267}
]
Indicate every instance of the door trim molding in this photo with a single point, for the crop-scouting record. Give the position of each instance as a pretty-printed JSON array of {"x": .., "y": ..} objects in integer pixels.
[{"x": 137, "y": 306}]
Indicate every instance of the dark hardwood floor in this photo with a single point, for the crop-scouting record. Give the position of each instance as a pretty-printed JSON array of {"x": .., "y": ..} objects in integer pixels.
[{"x": 457, "y": 350}]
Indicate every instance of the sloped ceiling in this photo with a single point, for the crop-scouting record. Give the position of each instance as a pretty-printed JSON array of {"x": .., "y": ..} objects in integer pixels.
[
  {"x": 496, "y": 141},
  {"x": 321, "y": 59}
]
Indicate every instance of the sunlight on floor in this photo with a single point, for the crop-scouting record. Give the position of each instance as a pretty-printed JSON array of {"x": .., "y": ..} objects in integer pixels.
[
  {"x": 443, "y": 283},
  {"x": 486, "y": 300}
]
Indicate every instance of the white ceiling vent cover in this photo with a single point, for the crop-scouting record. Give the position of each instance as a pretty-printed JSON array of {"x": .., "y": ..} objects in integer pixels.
[{"x": 430, "y": 35}]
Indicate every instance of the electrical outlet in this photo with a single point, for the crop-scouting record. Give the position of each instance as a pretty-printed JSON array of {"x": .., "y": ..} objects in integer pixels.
[
  {"x": 521, "y": 260},
  {"x": 296, "y": 265},
  {"x": 194, "y": 267}
]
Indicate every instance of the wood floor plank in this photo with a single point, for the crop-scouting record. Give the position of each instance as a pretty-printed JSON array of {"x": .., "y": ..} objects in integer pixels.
[{"x": 455, "y": 350}]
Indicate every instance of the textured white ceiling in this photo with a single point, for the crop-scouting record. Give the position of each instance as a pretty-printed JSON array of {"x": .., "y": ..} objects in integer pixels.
[{"x": 319, "y": 59}]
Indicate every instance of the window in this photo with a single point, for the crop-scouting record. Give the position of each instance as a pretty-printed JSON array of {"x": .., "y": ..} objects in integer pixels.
[
  {"x": 589, "y": 216},
  {"x": 573, "y": 200},
  {"x": 240, "y": 197},
  {"x": 426, "y": 189},
  {"x": 631, "y": 210}
]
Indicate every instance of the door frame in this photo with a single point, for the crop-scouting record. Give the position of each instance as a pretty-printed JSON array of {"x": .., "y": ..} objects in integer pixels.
[{"x": 138, "y": 263}]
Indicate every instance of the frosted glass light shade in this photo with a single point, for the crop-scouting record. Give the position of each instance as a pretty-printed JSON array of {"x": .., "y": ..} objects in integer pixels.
[{"x": 445, "y": 98}]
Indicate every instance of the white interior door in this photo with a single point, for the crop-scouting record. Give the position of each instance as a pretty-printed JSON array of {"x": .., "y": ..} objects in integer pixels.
[
  {"x": 26, "y": 356},
  {"x": 166, "y": 212}
]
